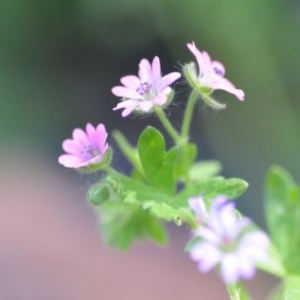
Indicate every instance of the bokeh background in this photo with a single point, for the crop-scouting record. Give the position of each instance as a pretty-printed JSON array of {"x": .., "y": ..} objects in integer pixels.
[{"x": 58, "y": 62}]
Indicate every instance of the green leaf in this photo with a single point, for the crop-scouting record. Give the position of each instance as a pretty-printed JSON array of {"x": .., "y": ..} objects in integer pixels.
[
  {"x": 288, "y": 290},
  {"x": 158, "y": 165},
  {"x": 210, "y": 188},
  {"x": 122, "y": 224},
  {"x": 282, "y": 203},
  {"x": 186, "y": 156},
  {"x": 205, "y": 169},
  {"x": 170, "y": 213},
  {"x": 124, "y": 186}
]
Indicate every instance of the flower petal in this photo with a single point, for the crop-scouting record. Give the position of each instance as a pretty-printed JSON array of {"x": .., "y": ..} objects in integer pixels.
[
  {"x": 124, "y": 92},
  {"x": 71, "y": 146},
  {"x": 128, "y": 105},
  {"x": 167, "y": 80},
  {"x": 131, "y": 81},
  {"x": 206, "y": 255},
  {"x": 226, "y": 85},
  {"x": 156, "y": 70},
  {"x": 229, "y": 268},
  {"x": 145, "y": 72},
  {"x": 160, "y": 99},
  {"x": 80, "y": 136},
  {"x": 71, "y": 161},
  {"x": 145, "y": 105},
  {"x": 201, "y": 60},
  {"x": 101, "y": 138}
]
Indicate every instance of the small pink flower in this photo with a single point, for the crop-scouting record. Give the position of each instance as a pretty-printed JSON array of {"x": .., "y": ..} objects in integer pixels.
[
  {"x": 86, "y": 149},
  {"x": 211, "y": 74},
  {"x": 148, "y": 89},
  {"x": 228, "y": 242}
]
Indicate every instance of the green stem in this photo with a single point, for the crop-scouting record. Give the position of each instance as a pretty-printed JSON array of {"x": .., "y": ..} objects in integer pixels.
[
  {"x": 128, "y": 151},
  {"x": 188, "y": 115},
  {"x": 110, "y": 170},
  {"x": 238, "y": 291},
  {"x": 168, "y": 126}
]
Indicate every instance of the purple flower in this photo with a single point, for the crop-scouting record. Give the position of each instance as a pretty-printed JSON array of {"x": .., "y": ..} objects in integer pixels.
[
  {"x": 148, "y": 89},
  {"x": 211, "y": 74},
  {"x": 87, "y": 149},
  {"x": 229, "y": 243}
]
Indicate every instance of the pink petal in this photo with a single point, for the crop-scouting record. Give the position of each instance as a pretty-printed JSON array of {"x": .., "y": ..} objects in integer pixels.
[
  {"x": 167, "y": 80},
  {"x": 229, "y": 268},
  {"x": 226, "y": 85},
  {"x": 101, "y": 138},
  {"x": 145, "y": 105},
  {"x": 201, "y": 60},
  {"x": 71, "y": 147},
  {"x": 71, "y": 161},
  {"x": 209, "y": 235},
  {"x": 128, "y": 105},
  {"x": 246, "y": 268},
  {"x": 91, "y": 132},
  {"x": 156, "y": 70},
  {"x": 207, "y": 63},
  {"x": 121, "y": 91},
  {"x": 206, "y": 255},
  {"x": 131, "y": 81},
  {"x": 160, "y": 99},
  {"x": 80, "y": 136},
  {"x": 145, "y": 72}
]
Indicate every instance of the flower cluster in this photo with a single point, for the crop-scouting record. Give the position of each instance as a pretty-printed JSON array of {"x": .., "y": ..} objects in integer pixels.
[
  {"x": 142, "y": 94},
  {"x": 222, "y": 239},
  {"x": 225, "y": 240}
]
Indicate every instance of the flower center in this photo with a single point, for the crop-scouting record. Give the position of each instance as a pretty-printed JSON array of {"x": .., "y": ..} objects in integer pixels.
[
  {"x": 89, "y": 152},
  {"x": 228, "y": 244},
  {"x": 144, "y": 89},
  {"x": 218, "y": 71}
]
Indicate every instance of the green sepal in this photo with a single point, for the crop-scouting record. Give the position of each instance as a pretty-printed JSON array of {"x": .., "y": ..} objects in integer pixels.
[
  {"x": 98, "y": 194},
  {"x": 211, "y": 102},
  {"x": 282, "y": 207}
]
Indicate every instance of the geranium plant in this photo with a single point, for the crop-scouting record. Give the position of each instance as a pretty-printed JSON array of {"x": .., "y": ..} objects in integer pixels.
[{"x": 170, "y": 185}]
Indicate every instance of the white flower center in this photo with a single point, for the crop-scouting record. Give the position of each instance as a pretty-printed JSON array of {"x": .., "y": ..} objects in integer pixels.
[{"x": 145, "y": 90}]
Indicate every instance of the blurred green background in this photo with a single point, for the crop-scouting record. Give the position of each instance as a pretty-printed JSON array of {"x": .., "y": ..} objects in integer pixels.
[{"x": 60, "y": 58}]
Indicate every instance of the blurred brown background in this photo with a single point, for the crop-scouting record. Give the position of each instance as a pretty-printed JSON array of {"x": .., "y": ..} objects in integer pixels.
[{"x": 59, "y": 60}]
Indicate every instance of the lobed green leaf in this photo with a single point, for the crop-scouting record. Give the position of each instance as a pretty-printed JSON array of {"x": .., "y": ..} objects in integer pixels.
[{"x": 282, "y": 206}]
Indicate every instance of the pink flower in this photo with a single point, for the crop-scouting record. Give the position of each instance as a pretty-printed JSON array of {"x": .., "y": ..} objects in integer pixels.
[
  {"x": 228, "y": 242},
  {"x": 148, "y": 89},
  {"x": 87, "y": 149},
  {"x": 211, "y": 74}
]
